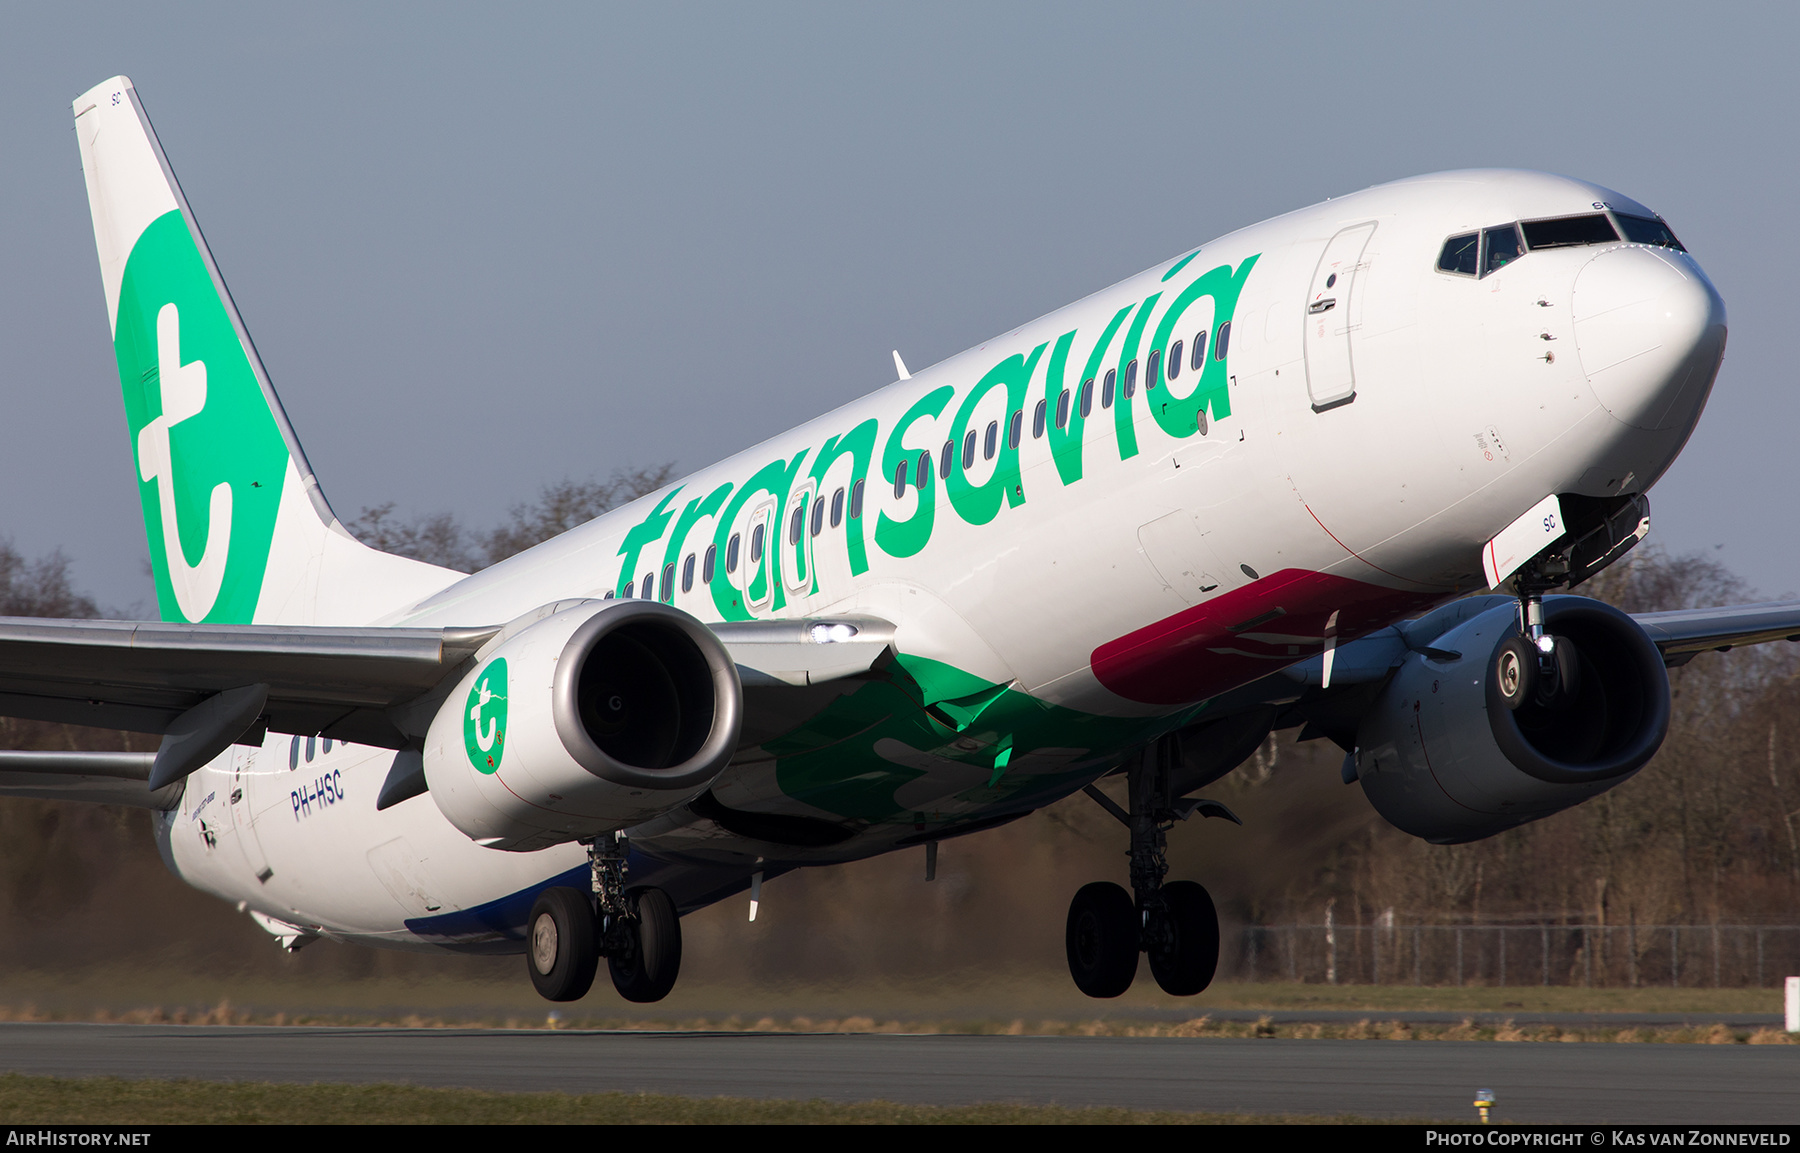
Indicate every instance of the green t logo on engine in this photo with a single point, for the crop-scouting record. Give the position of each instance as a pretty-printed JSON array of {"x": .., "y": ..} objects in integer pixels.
[{"x": 484, "y": 729}]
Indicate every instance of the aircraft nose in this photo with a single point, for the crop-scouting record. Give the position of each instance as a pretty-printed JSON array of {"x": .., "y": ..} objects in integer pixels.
[{"x": 1650, "y": 331}]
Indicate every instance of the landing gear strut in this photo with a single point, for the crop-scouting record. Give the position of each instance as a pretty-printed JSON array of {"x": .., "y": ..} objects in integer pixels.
[
  {"x": 1175, "y": 923},
  {"x": 1536, "y": 667},
  {"x": 638, "y": 931}
]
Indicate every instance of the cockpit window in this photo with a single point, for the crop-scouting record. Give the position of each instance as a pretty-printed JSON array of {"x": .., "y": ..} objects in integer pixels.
[
  {"x": 1639, "y": 230},
  {"x": 1462, "y": 254},
  {"x": 1568, "y": 231},
  {"x": 1499, "y": 248},
  {"x": 1488, "y": 251}
]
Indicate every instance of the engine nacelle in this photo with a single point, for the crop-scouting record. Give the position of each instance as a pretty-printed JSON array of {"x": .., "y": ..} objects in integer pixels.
[
  {"x": 1442, "y": 757},
  {"x": 587, "y": 719}
]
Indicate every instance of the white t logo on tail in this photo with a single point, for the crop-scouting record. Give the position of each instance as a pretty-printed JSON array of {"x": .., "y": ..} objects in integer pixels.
[{"x": 183, "y": 395}]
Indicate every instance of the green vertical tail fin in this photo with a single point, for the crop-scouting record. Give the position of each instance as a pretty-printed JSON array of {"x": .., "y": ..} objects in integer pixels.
[{"x": 239, "y": 531}]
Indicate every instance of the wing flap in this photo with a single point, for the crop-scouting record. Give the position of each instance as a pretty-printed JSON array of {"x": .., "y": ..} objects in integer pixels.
[{"x": 103, "y": 778}]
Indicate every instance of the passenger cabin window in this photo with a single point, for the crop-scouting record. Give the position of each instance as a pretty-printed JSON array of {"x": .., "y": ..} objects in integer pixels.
[
  {"x": 924, "y": 469},
  {"x": 900, "y": 480},
  {"x": 1499, "y": 248},
  {"x": 629, "y": 586},
  {"x": 818, "y": 517},
  {"x": 1640, "y": 230},
  {"x": 797, "y": 522},
  {"x": 1198, "y": 360},
  {"x": 687, "y": 574},
  {"x": 1037, "y": 419},
  {"x": 969, "y": 450},
  {"x": 1175, "y": 360},
  {"x": 710, "y": 564},
  {"x": 1014, "y": 429},
  {"x": 1152, "y": 368},
  {"x": 856, "y": 491},
  {"x": 1222, "y": 342},
  {"x": 1568, "y": 232},
  {"x": 1131, "y": 380},
  {"x": 1062, "y": 409},
  {"x": 1106, "y": 390},
  {"x": 945, "y": 458},
  {"x": 650, "y": 585},
  {"x": 668, "y": 585},
  {"x": 1087, "y": 394},
  {"x": 991, "y": 441},
  {"x": 756, "y": 544},
  {"x": 731, "y": 553},
  {"x": 837, "y": 508},
  {"x": 1461, "y": 255}
]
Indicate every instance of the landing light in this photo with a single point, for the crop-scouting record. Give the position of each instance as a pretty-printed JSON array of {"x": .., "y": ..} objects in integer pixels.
[{"x": 825, "y": 634}]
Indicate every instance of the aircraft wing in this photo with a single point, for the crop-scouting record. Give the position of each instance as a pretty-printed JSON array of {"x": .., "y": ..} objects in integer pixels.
[
  {"x": 1684, "y": 633},
  {"x": 337, "y": 682},
  {"x": 1680, "y": 636},
  {"x": 343, "y": 683}
]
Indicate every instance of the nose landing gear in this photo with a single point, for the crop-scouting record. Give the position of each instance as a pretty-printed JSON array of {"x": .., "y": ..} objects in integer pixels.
[
  {"x": 1175, "y": 923},
  {"x": 1536, "y": 667}
]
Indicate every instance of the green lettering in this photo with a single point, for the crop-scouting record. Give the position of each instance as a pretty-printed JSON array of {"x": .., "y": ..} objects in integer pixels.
[
  {"x": 1066, "y": 443},
  {"x": 859, "y": 445},
  {"x": 775, "y": 478},
  {"x": 900, "y": 538},
  {"x": 645, "y": 532},
  {"x": 1122, "y": 423},
  {"x": 690, "y": 516},
  {"x": 1178, "y": 416},
  {"x": 979, "y": 504}
]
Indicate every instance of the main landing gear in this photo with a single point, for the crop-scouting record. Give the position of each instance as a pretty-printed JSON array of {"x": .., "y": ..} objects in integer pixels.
[
  {"x": 636, "y": 930},
  {"x": 1174, "y": 923},
  {"x": 1536, "y": 667}
]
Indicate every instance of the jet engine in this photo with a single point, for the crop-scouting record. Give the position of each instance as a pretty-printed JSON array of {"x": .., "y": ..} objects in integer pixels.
[
  {"x": 1441, "y": 756},
  {"x": 583, "y": 718}
]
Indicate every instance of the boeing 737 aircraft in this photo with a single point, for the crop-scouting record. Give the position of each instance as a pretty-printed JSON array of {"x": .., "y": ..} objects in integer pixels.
[{"x": 1247, "y": 489}]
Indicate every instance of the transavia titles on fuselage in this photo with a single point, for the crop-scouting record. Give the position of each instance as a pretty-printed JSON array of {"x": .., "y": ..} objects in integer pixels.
[{"x": 1132, "y": 536}]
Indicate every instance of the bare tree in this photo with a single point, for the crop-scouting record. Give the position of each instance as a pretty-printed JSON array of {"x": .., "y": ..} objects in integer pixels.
[
  {"x": 39, "y": 588},
  {"x": 436, "y": 539},
  {"x": 561, "y": 506},
  {"x": 441, "y": 540}
]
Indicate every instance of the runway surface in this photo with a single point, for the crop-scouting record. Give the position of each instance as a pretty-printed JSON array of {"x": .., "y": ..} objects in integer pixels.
[{"x": 1535, "y": 1082}]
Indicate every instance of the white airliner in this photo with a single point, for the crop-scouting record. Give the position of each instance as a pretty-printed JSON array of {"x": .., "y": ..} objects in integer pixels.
[{"x": 1241, "y": 491}]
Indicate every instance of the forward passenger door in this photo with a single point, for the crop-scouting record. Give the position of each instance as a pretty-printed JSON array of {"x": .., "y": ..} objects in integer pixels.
[{"x": 1332, "y": 316}]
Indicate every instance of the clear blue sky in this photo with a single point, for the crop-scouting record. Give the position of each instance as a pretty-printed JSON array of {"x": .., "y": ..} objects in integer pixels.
[{"x": 485, "y": 248}]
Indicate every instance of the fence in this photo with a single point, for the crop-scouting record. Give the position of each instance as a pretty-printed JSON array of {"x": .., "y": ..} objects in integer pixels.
[{"x": 1521, "y": 954}]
